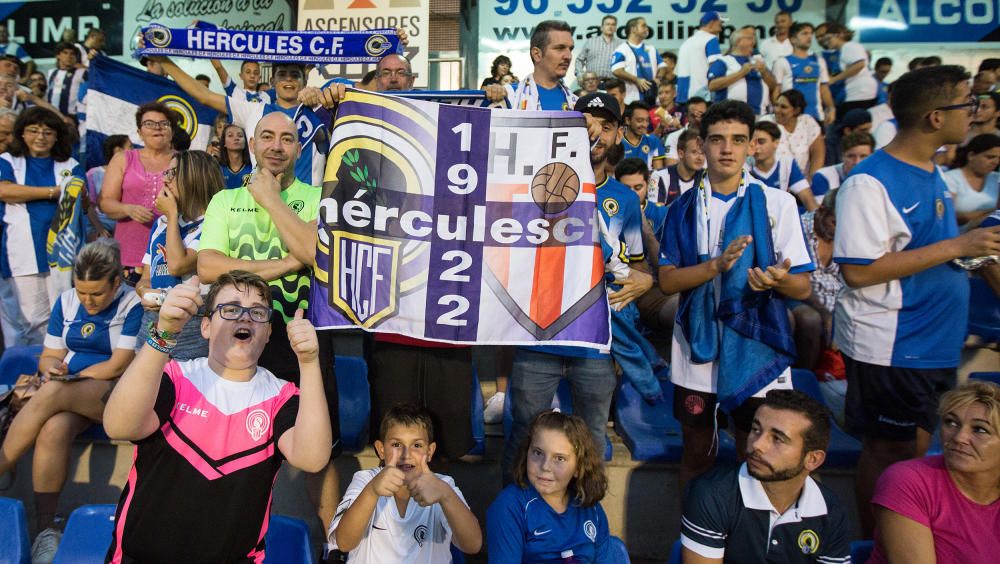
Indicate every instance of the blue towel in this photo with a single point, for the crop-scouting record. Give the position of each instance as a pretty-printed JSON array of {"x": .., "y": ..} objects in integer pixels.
[{"x": 755, "y": 344}]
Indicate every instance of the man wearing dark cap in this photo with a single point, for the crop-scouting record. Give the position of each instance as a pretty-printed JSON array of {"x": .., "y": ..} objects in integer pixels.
[
  {"x": 153, "y": 65},
  {"x": 538, "y": 370}
]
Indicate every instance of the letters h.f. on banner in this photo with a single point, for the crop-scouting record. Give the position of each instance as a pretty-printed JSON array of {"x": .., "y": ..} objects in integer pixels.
[{"x": 460, "y": 224}]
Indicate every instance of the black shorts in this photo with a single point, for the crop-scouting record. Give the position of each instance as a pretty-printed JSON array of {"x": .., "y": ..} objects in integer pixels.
[
  {"x": 437, "y": 379},
  {"x": 279, "y": 358},
  {"x": 696, "y": 409},
  {"x": 888, "y": 402}
]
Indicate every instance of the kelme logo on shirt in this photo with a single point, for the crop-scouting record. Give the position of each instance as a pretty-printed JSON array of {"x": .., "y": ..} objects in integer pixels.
[
  {"x": 808, "y": 541},
  {"x": 258, "y": 422},
  {"x": 87, "y": 330},
  {"x": 590, "y": 529},
  {"x": 296, "y": 205}
]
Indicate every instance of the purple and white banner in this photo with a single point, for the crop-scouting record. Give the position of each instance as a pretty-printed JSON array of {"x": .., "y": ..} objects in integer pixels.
[{"x": 460, "y": 224}]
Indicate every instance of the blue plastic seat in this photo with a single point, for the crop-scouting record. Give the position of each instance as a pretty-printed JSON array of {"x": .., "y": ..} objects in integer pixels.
[
  {"x": 861, "y": 550},
  {"x": 675, "y": 553},
  {"x": 844, "y": 449},
  {"x": 14, "y": 545},
  {"x": 619, "y": 551},
  {"x": 478, "y": 423},
  {"x": 650, "y": 432},
  {"x": 287, "y": 540},
  {"x": 89, "y": 529},
  {"x": 984, "y": 311},
  {"x": 355, "y": 401},
  {"x": 562, "y": 400},
  {"x": 24, "y": 360},
  {"x": 87, "y": 535},
  {"x": 18, "y": 360}
]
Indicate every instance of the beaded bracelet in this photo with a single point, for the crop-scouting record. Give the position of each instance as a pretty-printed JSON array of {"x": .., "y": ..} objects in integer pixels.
[
  {"x": 159, "y": 345},
  {"x": 163, "y": 341}
]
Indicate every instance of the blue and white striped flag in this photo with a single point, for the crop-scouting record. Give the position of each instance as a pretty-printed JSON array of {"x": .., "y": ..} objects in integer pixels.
[{"x": 116, "y": 91}]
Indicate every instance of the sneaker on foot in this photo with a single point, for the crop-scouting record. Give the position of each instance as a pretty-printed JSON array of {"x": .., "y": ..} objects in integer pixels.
[
  {"x": 43, "y": 551},
  {"x": 494, "y": 409}
]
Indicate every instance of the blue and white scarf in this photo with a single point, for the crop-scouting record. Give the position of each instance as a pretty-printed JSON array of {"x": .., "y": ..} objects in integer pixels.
[
  {"x": 207, "y": 41},
  {"x": 755, "y": 344}
]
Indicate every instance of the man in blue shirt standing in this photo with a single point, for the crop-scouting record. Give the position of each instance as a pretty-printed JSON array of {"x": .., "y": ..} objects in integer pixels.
[
  {"x": 807, "y": 73},
  {"x": 901, "y": 322},
  {"x": 637, "y": 63},
  {"x": 538, "y": 370},
  {"x": 551, "y": 52}
]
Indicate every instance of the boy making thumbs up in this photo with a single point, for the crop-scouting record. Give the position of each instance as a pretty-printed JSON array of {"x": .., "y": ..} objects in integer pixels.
[
  {"x": 402, "y": 512},
  {"x": 211, "y": 432}
]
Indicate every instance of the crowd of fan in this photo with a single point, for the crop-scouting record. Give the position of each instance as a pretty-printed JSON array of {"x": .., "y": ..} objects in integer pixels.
[{"x": 844, "y": 203}]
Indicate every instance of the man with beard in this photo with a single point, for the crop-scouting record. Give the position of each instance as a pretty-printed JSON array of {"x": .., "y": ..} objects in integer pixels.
[
  {"x": 537, "y": 370},
  {"x": 769, "y": 509}
]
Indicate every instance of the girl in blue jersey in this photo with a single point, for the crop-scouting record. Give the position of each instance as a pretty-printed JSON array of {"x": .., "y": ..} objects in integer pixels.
[
  {"x": 37, "y": 164},
  {"x": 90, "y": 342},
  {"x": 552, "y": 511},
  {"x": 189, "y": 183},
  {"x": 235, "y": 157}
]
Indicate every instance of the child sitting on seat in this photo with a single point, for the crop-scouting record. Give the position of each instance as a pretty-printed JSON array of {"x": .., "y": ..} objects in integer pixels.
[
  {"x": 552, "y": 513},
  {"x": 420, "y": 513}
]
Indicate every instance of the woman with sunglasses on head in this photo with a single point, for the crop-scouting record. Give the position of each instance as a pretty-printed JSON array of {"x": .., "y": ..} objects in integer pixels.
[
  {"x": 33, "y": 172},
  {"x": 90, "y": 342},
  {"x": 134, "y": 178},
  {"x": 235, "y": 157},
  {"x": 172, "y": 253}
]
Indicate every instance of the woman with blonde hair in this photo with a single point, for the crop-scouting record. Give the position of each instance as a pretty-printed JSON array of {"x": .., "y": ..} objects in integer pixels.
[
  {"x": 946, "y": 508},
  {"x": 172, "y": 251}
]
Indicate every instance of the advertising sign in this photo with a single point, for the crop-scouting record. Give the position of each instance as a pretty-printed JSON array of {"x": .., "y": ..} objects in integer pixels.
[{"x": 363, "y": 15}]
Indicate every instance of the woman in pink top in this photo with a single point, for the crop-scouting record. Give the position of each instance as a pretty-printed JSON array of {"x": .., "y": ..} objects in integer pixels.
[
  {"x": 943, "y": 509},
  {"x": 135, "y": 177}
]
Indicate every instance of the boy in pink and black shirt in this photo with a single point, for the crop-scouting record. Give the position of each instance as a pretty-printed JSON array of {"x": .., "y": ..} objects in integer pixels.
[{"x": 211, "y": 433}]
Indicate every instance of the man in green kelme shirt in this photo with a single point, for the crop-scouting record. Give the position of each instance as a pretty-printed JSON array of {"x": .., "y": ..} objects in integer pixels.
[{"x": 262, "y": 228}]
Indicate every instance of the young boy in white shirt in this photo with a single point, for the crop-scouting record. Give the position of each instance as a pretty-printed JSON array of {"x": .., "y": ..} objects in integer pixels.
[{"x": 401, "y": 512}]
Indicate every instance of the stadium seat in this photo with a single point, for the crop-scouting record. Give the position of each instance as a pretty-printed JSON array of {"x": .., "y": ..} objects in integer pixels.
[
  {"x": 478, "y": 423},
  {"x": 355, "y": 401},
  {"x": 988, "y": 376},
  {"x": 287, "y": 540},
  {"x": 675, "y": 553},
  {"x": 87, "y": 535},
  {"x": 619, "y": 550},
  {"x": 649, "y": 431},
  {"x": 24, "y": 360},
  {"x": 861, "y": 551},
  {"x": 844, "y": 449},
  {"x": 984, "y": 311},
  {"x": 18, "y": 360},
  {"x": 562, "y": 400},
  {"x": 14, "y": 545}
]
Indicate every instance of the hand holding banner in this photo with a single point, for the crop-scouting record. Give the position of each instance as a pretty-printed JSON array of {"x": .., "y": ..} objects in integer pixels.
[{"x": 460, "y": 224}]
